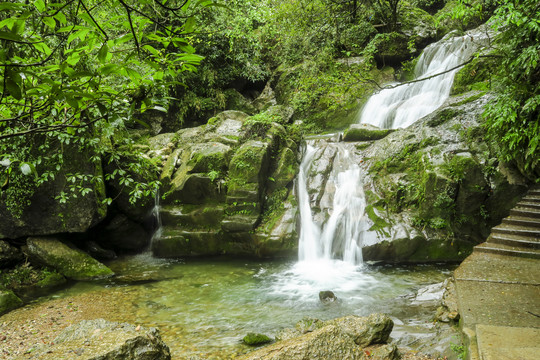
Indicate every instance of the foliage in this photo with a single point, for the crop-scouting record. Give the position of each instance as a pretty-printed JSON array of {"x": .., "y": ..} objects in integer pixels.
[
  {"x": 76, "y": 73},
  {"x": 513, "y": 117}
]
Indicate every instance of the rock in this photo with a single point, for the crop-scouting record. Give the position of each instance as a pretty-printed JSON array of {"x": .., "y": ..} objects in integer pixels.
[
  {"x": 434, "y": 188},
  {"x": 327, "y": 297},
  {"x": 254, "y": 339},
  {"x": 365, "y": 132},
  {"x": 8, "y": 301},
  {"x": 69, "y": 261},
  {"x": 45, "y": 215},
  {"x": 96, "y": 251},
  {"x": 237, "y": 101},
  {"x": 121, "y": 233},
  {"x": 104, "y": 340},
  {"x": 350, "y": 337},
  {"x": 266, "y": 99},
  {"x": 193, "y": 189},
  {"x": 9, "y": 255}
]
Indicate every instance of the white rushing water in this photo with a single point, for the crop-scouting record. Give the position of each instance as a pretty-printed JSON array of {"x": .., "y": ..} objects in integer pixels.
[
  {"x": 401, "y": 106},
  {"x": 340, "y": 235},
  {"x": 337, "y": 243}
]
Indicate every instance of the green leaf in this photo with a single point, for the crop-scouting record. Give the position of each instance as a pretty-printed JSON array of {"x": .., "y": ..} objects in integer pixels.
[
  {"x": 102, "y": 53},
  {"x": 40, "y": 5},
  {"x": 73, "y": 59},
  {"x": 108, "y": 69},
  {"x": 49, "y": 21},
  {"x": 189, "y": 26},
  {"x": 13, "y": 88},
  {"x": 10, "y": 36},
  {"x": 61, "y": 18},
  {"x": 42, "y": 47},
  {"x": 11, "y": 6},
  {"x": 151, "y": 50}
]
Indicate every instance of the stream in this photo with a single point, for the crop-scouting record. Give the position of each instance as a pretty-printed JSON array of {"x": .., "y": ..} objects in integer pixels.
[{"x": 205, "y": 307}]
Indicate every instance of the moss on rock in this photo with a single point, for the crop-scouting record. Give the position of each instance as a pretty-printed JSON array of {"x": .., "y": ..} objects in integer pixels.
[
  {"x": 364, "y": 132},
  {"x": 70, "y": 262},
  {"x": 8, "y": 301}
]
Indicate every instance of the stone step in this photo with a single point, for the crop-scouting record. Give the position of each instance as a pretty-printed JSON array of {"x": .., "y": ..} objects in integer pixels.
[
  {"x": 502, "y": 249},
  {"x": 533, "y": 198},
  {"x": 528, "y": 205},
  {"x": 535, "y": 191},
  {"x": 521, "y": 221},
  {"x": 513, "y": 240},
  {"x": 524, "y": 212},
  {"x": 526, "y": 232}
]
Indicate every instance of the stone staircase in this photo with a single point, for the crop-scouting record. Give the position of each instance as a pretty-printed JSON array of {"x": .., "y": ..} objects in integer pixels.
[
  {"x": 519, "y": 233},
  {"x": 498, "y": 288}
]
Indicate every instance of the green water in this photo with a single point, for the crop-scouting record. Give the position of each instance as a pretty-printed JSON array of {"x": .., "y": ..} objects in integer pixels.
[{"x": 204, "y": 308}]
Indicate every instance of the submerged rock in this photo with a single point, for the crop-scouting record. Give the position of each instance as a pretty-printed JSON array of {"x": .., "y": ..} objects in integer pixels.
[
  {"x": 70, "y": 262},
  {"x": 256, "y": 339},
  {"x": 327, "y": 297},
  {"x": 104, "y": 340},
  {"x": 350, "y": 337}
]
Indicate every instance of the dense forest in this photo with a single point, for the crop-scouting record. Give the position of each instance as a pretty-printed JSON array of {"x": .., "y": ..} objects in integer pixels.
[{"x": 80, "y": 75}]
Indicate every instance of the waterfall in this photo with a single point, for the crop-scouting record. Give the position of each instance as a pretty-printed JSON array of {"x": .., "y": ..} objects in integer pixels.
[
  {"x": 401, "y": 106},
  {"x": 339, "y": 235},
  {"x": 156, "y": 215}
]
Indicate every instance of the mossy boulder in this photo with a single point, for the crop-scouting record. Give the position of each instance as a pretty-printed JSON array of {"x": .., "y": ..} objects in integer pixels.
[
  {"x": 236, "y": 101},
  {"x": 433, "y": 187},
  {"x": 255, "y": 339},
  {"x": 68, "y": 261},
  {"x": 349, "y": 337},
  {"x": 206, "y": 157},
  {"x": 101, "y": 339},
  {"x": 193, "y": 189},
  {"x": 45, "y": 214},
  {"x": 8, "y": 301},
  {"x": 249, "y": 163},
  {"x": 175, "y": 243},
  {"x": 364, "y": 132}
]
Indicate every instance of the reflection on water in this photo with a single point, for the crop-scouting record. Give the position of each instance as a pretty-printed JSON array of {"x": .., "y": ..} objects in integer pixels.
[{"x": 205, "y": 307}]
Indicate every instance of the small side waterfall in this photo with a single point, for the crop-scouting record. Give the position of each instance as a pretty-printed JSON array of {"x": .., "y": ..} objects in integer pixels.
[
  {"x": 156, "y": 215},
  {"x": 403, "y": 105}
]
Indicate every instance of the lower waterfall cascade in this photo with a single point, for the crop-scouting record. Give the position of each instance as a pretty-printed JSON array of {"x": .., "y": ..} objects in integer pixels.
[{"x": 339, "y": 236}]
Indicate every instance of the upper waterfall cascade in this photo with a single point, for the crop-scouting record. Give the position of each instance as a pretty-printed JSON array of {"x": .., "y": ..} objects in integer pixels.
[
  {"x": 336, "y": 231},
  {"x": 401, "y": 106}
]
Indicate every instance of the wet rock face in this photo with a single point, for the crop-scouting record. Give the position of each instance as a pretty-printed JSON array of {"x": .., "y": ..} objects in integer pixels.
[
  {"x": 69, "y": 261},
  {"x": 435, "y": 188},
  {"x": 350, "y": 337},
  {"x": 104, "y": 340},
  {"x": 218, "y": 181}
]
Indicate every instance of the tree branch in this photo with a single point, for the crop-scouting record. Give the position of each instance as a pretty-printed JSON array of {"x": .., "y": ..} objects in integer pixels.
[{"x": 94, "y": 20}]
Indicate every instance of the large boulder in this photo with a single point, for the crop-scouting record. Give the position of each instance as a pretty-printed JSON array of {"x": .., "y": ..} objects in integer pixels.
[
  {"x": 69, "y": 261},
  {"x": 350, "y": 337},
  {"x": 435, "y": 189},
  {"x": 364, "y": 132},
  {"x": 45, "y": 213},
  {"x": 104, "y": 340}
]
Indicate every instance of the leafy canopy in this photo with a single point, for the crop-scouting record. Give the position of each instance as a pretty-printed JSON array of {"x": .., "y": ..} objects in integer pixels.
[{"x": 78, "y": 72}]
